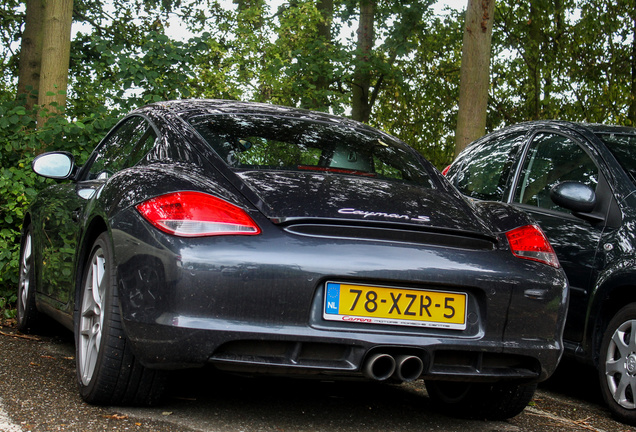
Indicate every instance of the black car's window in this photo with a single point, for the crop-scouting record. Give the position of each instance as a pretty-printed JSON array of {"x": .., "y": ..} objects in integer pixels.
[
  {"x": 269, "y": 142},
  {"x": 623, "y": 146},
  {"x": 552, "y": 159},
  {"x": 484, "y": 174},
  {"x": 122, "y": 149}
]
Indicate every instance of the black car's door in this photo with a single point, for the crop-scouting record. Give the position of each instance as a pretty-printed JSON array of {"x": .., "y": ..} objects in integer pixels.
[
  {"x": 62, "y": 212},
  {"x": 58, "y": 215},
  {"x": 551, "y": 158}
]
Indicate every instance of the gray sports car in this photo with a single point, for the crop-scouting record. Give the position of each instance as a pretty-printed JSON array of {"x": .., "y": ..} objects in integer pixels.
[{"x": 257, "y": 238}]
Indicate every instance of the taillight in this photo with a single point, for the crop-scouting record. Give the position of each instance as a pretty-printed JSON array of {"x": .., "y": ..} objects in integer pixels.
[
  {"x": 529, "y": 242},
  {"x": 445, "y": 170},
  {"x": 196, "y": 214}
]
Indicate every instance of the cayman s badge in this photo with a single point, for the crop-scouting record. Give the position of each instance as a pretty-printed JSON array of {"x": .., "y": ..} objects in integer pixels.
[{"x": 366, "y": 214}]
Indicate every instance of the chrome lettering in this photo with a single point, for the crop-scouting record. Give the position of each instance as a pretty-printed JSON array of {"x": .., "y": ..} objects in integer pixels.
[{"x": 366, "y": 214}]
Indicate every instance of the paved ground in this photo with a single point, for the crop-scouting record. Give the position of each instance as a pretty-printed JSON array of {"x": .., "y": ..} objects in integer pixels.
[{"x": 38, "y": 393}]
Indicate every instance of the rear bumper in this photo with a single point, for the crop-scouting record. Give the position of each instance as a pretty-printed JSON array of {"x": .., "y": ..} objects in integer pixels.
[
  {"x": 190, "y": 342},
  {"x": 242, "y": 304}
]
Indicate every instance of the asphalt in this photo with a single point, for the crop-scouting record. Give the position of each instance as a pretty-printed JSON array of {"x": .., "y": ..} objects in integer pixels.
[{"x": 38, "y": 392}]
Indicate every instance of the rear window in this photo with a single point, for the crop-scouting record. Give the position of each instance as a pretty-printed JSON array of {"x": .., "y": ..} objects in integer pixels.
[
  {"x": 623, "y": 146},
  {"x": 249, "y": 142}
]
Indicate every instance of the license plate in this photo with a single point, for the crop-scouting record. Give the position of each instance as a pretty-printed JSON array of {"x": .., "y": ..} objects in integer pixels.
[{"x": 395, "y": 306}]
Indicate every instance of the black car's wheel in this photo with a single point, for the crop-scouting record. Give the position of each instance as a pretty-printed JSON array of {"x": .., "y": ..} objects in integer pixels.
[
  {"x": 617, "y": 365},
  {"x": 107, "y": 370},
  {"x": 27, "y": 314},
  {"x": 492, "y": 401}
]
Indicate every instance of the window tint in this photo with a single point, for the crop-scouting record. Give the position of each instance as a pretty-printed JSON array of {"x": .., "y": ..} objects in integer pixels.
[
  {"x": 122, "y": 149},
  {"x": 552, "y": 159},
  {"x": 293, "y": 144},
  {"x": 484, "y": 172},
  {"x": 623, "y": 146}
]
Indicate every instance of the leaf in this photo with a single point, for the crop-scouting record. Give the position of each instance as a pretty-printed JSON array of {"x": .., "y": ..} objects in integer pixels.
[{"x": 116, "y": 417}]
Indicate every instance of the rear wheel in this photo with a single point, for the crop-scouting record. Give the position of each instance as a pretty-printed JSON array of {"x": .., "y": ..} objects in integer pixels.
[
  {"x": 617, "y": 366},
  {"x": 107, "y": 370},
  {"x": 27, "y": 314},
  {"x": 492, "y": 401}
]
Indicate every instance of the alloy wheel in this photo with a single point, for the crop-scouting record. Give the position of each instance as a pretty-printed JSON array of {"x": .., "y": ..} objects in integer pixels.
[
  {"x": 25, "y": 274},
  {"x": 620, "y": 365},
  {"x": 92, "y": 316}
]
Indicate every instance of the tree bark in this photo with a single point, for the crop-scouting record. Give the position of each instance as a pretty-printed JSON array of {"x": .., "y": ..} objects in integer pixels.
[
  {"x": 56, "y": 51},
  {"x": 361, "y": 108},
  {"x": 30, "y": 54},
  {"x": 325, "y": 7},
  {"x": 319, "y": 100},
  {"x": 534, "y": 56},
  {"x": 632, "y": 105},
  {"x": 475, "y": 73}
]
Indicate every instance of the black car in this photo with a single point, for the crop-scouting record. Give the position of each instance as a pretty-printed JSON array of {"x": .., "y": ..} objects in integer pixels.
[
  {"x": 264, "y": 239},
  {"x": 579, "y": 183}
]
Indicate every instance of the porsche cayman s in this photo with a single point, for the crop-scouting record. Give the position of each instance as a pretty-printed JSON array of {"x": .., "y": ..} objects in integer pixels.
[{"x": 257, "y": 238}]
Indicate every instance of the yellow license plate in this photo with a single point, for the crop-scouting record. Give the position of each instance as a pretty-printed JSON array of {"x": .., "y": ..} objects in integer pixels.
[{"x": 395, "y": 306}]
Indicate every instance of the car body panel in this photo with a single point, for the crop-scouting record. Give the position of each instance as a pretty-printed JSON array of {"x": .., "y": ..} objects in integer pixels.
[
  {"x": 596, "y": 249},
  {"x": 256, "y": 303},
  {"x": 291, "y": 196},
  {"x": 577, "y": 245},
  {"x": 258, "y": 298}
]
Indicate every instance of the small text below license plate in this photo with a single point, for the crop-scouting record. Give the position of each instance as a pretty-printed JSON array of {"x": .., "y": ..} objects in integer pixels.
[{"x": 395, "y": 306}]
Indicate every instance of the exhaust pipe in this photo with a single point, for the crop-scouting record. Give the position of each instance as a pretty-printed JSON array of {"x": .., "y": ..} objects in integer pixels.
[
  {"x": 408, "y": 368},
  {"x": 379, "y": 367}
]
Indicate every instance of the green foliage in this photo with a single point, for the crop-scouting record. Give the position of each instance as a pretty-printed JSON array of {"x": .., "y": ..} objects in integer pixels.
[
  {"x": 11, "y": 18},
  {"x": 531, "y": 83},
  {"x": 17, "y": 187},
  {"x": 603, "y": 83},
  {"x": 7, "y": 311},
  {"x": 571, "y": 60},
  {"x": 568, "y": 59},
  {"x": 19, "y": 143},
  {"x": 419, "y": 104},
  {"x": 281, "y": 57}
]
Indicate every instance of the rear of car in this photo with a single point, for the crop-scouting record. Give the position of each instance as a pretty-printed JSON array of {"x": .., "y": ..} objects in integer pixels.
[
  {"x": 265, "y": 239},
  {"x": 358, "y": 255}
]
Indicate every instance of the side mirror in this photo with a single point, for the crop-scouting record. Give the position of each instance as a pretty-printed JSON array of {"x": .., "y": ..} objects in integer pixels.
[
  {"x": 574, "y": 196},
  {"x": 55, "y": 165}
]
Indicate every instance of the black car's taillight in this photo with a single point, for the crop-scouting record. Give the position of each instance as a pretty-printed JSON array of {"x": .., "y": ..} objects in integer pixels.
[
  {"x": 196, "y": 214},
  {"x": 529, "y": 242}
]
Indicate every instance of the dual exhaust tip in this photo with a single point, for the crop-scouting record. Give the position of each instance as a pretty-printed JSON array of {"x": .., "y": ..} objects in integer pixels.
[{"x": 404, "y": 368}]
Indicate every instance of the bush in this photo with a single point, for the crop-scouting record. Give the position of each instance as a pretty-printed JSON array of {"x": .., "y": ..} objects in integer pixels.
[{"x": 20, "y": 141}]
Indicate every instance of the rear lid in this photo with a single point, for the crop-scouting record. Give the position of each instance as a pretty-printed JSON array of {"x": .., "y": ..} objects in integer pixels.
[
  {"x": 303, "y": 169},
  {"x": 291, "y": 197}
]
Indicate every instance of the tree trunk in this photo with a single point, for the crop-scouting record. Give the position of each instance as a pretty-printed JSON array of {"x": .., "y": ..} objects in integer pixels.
[
  {"x": 30, "y": 53},
  {"x": 319, "y": 98},
  {"x": 533, "y": 54},
  {"x": 361, "y": 108},
  {"x": 475, "y": 73},
  {"x": 325, "y": 7},
  {"x": 56, "y": 51},
  {"x": 632, "y": 105}
]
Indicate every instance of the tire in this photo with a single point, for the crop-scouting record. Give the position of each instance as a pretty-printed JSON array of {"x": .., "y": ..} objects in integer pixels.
[
  {"x": 490, "y": 401},
  {"x": 107, "y": 371},
  {"x": 617, "y": 365},
  {"x": 27, "y": 316}
]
